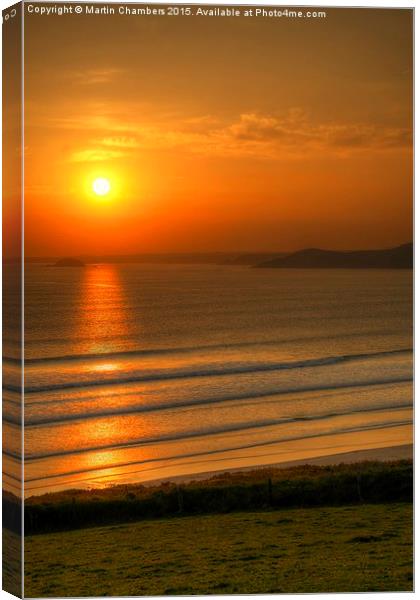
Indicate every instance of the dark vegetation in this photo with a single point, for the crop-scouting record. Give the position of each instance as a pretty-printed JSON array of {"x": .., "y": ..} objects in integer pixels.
[
  {"x": 272, "y": 488},
  {"x": 400, "y": 257},
  {"x": 12, "y": 512}
]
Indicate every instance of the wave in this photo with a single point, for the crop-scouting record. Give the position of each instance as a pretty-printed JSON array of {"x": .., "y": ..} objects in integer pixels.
[
  {"x": 213, "y": 452},
  {"x": 147, "y": 408},
  {"x": 183, "y": 349},
  {"x": 228, "y": 428},
  {"x": 214, "y": 372}
]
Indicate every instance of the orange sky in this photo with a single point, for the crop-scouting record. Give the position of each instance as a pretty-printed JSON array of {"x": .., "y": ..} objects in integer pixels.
[{"x": 218, "y": 134}]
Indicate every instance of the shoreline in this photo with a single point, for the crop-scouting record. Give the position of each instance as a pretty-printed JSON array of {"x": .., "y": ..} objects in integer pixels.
[
  {"x": 341, "y": 448},
  {"x": 385, "y": 454}
]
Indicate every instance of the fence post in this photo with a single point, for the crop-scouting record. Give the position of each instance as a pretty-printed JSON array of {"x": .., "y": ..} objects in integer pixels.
[
  {"x": 359, "y": 487},
  {"x": 180, "y": 498},
  {"x": 270, "y": 492}
]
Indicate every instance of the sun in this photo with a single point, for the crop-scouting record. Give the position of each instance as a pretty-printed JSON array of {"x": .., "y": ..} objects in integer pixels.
[{"x": 101, "y": 186}]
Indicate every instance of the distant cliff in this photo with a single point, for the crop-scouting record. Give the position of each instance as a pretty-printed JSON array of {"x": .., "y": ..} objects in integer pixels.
[
  {"x": 254, "y": 258},
  {"x": 400, "y": 257}
]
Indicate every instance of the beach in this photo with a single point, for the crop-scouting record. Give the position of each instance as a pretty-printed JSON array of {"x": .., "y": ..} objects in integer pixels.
[{"x": 389, "y": 453}]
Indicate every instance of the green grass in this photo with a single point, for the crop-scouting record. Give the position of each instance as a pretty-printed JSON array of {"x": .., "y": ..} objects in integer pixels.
[{"x": 337, "y": 549}]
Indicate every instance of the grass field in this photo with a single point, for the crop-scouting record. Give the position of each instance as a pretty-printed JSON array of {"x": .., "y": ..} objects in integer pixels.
[{"x": 341, "y": 549}]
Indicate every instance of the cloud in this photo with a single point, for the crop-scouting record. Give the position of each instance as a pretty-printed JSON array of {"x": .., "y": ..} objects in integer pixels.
[
  {"x": 93, "y": 76},
  {"x": 107, "y": 148},
  {"x": 367, "y": 136},
  {"x": 120, "y": 142},
  {"x": 293, "y": 134},
  {"x": 95, "y": 155},
  {"x": 257, "y": 128}
]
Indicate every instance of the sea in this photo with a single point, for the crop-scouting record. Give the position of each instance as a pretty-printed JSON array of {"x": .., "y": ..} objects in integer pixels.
[{"x": 137, "y": 372}]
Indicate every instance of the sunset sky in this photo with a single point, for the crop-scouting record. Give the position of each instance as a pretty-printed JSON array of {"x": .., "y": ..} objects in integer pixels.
[{"x": 218, "y": 134}]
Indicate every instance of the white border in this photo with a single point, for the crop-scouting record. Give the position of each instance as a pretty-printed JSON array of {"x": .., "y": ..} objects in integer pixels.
[{"x": 396, "y": 4}]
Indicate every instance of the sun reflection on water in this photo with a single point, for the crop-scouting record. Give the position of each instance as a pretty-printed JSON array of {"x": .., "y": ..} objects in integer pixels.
[
  {"x": 105, "y": 367},
  {"x": 103, "y": 311},
  {"x": 103, "y": 322}
]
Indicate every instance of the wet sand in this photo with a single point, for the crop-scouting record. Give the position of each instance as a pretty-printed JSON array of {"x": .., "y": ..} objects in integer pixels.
[{"x": 384, "y": 454}]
